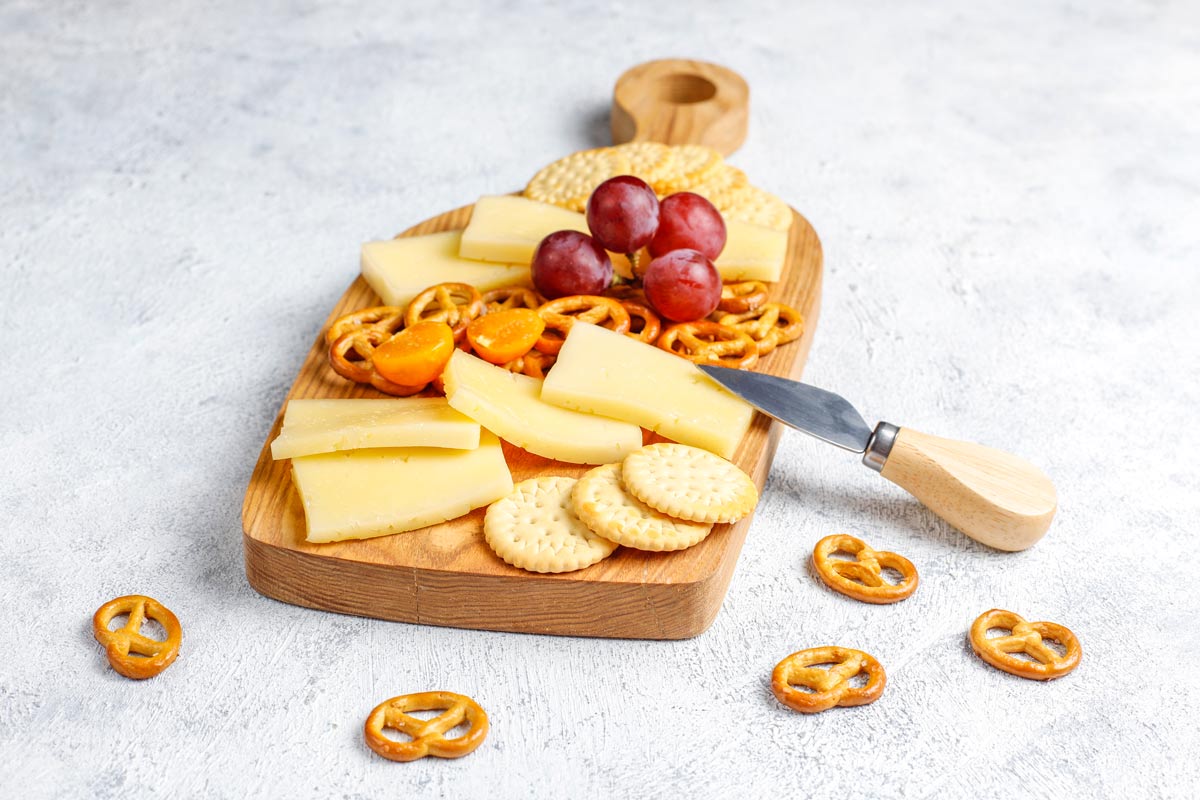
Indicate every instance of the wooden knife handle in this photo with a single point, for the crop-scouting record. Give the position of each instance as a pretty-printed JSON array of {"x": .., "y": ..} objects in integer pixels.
[
  {"x": 992, "y": 496},
  {"x": 677, "y": 101}
]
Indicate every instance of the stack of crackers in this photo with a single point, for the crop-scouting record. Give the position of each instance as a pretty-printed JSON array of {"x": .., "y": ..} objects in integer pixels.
[
  {"x": 570, "y": 181},
  {"x": 661, "y": 497}
]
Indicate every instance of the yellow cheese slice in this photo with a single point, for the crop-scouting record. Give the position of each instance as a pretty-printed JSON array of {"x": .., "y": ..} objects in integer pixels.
[
  {"x": 510, "y": 406},
  {"x": 508, "y": 228},
  {"x": 602, "y": 372},
  {"x": 400, "y": 269},
  {"x": 752, "y": 252},
  {"x": 325, "y": 426},
  {"x": 358, "y": 494}
]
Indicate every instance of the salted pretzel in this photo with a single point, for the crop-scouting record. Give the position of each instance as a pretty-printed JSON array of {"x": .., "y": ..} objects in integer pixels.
[
  {"x": 737, "y": 298},
  {"x": 350, "y": 356},
  {"x": 564, "y": 312},
  {"x": 707, "y": 342},
  {"x": 428, "y": 735},
  {"x": 1024, "y": 637},
  {"x": 862, "y": 578},
  {"x": 387, "y": 318},
  {"x": 455, "y": 304},
  {"x": 644, "y": 324},
  {"x": 768, "y": 325},
  {"x": 830, "y": 687},
  {"x": 132, "y": 653},
  {"x": 510, "y": 297}
]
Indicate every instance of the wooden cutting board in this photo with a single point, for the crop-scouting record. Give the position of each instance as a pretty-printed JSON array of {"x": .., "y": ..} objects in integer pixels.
[{"x": 446, "y": 574}]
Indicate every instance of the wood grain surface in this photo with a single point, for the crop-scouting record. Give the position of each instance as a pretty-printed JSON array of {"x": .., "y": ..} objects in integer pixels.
[{"x": 446, "y": 574}]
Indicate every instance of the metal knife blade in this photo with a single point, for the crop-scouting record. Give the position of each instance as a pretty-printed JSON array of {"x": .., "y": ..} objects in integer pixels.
[{"x": 825, "y": 415}]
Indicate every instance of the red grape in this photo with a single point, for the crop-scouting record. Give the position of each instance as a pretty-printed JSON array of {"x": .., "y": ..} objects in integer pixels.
[
  {"x": 688, "y": 221},
  {"x": 622, "y": 214},
  {"x": 570, "y": 262},
  {"x": 682, "y": 285}
]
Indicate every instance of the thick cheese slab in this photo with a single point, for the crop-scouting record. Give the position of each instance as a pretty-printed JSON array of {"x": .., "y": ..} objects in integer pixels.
[
  {"x": 508, "y": 228},
  {"x": 358, "y": 494},
  {"x": 510, "y": 406},
  {"x": 400, "y": 269},
  {"x": 326, "y": 426},
  {"x": 752, "y": 252},
  {"x": 607, "y": 373}
]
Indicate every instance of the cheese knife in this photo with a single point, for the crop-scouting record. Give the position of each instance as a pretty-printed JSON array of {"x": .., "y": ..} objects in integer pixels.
[{"x": 994, "y": 497}]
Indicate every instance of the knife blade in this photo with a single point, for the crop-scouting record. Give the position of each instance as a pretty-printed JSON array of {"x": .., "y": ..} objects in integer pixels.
[
  {"x": 820, "y": 413},
  {"x": 988, "y": 494}
]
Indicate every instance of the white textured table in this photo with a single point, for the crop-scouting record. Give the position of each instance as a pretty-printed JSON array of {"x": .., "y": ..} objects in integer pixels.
[{"x": 1008, "y": 196}]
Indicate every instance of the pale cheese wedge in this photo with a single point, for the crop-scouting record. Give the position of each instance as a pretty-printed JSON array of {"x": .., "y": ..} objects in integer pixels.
[
  {"x": 325, "y": 426},
  {"x": 508, "y": 228},
  {"x": 400, "y": 269},
  {"x": 752, "y": 252},
  {"x": 358, "y": 494},
  {"x": 510, "y": 406},
  {"x": 602, "y": 372}
]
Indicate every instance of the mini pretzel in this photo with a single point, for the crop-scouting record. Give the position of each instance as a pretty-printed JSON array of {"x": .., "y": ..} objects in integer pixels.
[
  {"x": 644, "y": 324},
  {"x": 1024, "y": 637},
  {"x": 387, "y": 318},
  {"x": 862, "y": 579},
  {"x": 737, "y": 298},
  {"x": 131, "y": 653},
  {"x": 535, "y": 363},
  {"x": 769, "y": 325},
  {"x": 427, "y": 734},
  {"x": 564, "y": 312},
  {"x": 709, "y": 343},
  {"x": 455, "y": 304},
  {"x": 831, "y": 687},
  {"x": 510, "y": 297},
  {"x": 362, "y": 342}
]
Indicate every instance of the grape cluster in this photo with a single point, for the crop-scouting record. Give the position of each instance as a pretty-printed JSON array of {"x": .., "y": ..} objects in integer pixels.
[{"x": 683, "y": 234}]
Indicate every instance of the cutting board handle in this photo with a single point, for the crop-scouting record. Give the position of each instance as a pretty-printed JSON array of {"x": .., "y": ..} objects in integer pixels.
[
  {"x": 992, "y": 496},
  {"x": 675, "y": 101}
]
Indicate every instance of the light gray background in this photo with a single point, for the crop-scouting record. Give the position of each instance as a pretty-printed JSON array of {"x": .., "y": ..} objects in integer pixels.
[{"x": 1008, "y": 196}]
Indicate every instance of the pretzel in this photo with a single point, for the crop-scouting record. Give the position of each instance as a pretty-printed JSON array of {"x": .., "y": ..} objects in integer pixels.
[
  {"x": 1024, "y": 637},
  {"x": 862, "y": 579},
  {"x": 388, "y": 318},
  {"x": 130, "y": 652},
  {"x": 564, "y": 312},
  {"x": 362, "y": 342},
  {"x": 644, "y": 324},
  {"x": 768, "y": 325},
  {"x": 510, "y": 297},
  {"x": 535, "y": 364},
  {"x": 427, "y": 734},
  {"x": 830, "y": 687},
  {"x": 737, "y": 298},
  {"x": 455, "y": 304},
  {"x": 709, "y": 343}
]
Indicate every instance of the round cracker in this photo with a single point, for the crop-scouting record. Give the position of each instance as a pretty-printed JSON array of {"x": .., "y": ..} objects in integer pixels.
[
  {"x": 602, "y": 503},
  {"x": 688, "y": 483},
  {"x": 651, "y": 161},
  {"x": 694, "y": 163},
  {"x": 534, "y": 528},
  {"x": 569, "y": 182},
  {"x": 719, "y": 186},
  {"x": 758, "y": 207}
]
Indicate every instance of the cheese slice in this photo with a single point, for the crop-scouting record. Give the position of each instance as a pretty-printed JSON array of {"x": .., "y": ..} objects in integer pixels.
[
  {"x": 752, "y": 252},
  {"x": 601, "y": 372},
  {"x": 400, "y": 269},
  {"x": 508, "y": 228},
  {"x": 325, "y": 426},
  {"x": 510, "y": 406},
  {"x": 358, "y": 494}
]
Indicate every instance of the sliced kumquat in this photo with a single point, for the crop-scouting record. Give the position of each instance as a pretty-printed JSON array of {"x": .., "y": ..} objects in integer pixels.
[
  {"x": 502, "y": 336},
  {"x": 415, "y": 355}
]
